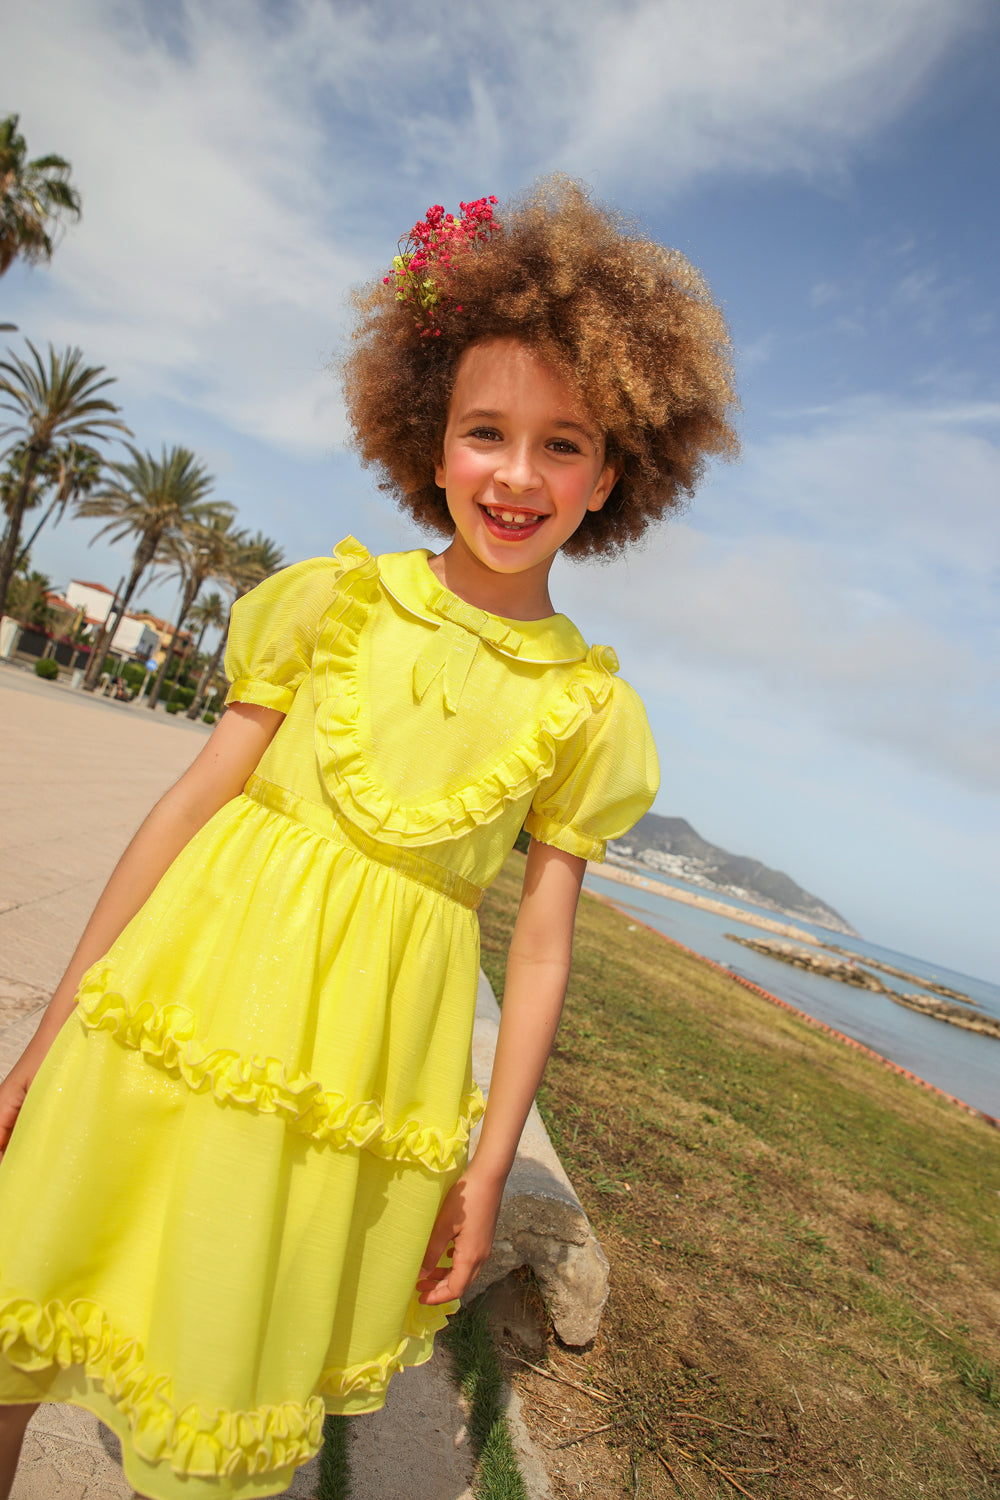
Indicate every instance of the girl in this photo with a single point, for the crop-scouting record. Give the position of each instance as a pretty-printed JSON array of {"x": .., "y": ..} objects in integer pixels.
[{"x": 236, "y": 1195}]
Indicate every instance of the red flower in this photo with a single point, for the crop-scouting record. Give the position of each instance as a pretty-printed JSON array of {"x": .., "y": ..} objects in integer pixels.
[{"x": 434, "y": 240}]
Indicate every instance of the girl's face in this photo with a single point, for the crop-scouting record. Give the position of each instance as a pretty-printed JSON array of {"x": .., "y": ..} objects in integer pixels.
[{"x": 522, "y": 460}]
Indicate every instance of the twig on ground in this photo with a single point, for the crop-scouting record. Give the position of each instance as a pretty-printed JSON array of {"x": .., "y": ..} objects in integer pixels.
[
  {"x": 583, "y": 1436},
  {"x": 561, "y": 1380},
  {"x": 765, "y": 1437},
  {"x": 694, "y": 1458},
  {"x": 659, "y": 1457}
]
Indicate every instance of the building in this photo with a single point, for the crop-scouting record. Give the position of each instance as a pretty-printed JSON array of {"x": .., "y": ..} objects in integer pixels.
[
  {"x": 133, "y": 635},
  {"x": 164, "y": 633}
]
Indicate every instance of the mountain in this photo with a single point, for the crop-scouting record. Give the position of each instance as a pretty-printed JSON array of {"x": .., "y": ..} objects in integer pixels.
[{"x": 673, "y": 846}]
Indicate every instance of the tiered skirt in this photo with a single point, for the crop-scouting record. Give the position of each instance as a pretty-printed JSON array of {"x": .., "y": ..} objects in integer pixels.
[{"x": 216, "y": 1202}]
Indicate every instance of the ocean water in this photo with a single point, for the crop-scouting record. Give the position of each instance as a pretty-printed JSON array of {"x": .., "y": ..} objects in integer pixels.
[{"x": 961, "y": 1062}]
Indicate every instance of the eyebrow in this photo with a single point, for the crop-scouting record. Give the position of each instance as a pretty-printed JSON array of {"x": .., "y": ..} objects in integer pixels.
[{"x": 482, "y": 412}]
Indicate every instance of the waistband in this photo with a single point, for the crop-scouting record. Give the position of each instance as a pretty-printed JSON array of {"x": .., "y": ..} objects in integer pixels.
[{"x": 330, "y": 824}]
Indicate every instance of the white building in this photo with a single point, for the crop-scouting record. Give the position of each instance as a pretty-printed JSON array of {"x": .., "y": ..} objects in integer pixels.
[{"x": 132, "y": 637}]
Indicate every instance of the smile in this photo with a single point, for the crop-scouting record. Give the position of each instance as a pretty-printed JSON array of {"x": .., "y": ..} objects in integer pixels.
[{"x": 512, "y": 520}]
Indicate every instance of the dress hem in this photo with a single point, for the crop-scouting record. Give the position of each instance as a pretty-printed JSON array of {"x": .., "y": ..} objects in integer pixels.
[{"x": 77, "y": 1358}]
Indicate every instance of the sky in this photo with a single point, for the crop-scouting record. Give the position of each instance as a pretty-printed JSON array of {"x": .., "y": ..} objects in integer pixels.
[{"x": 816, "y": 637}]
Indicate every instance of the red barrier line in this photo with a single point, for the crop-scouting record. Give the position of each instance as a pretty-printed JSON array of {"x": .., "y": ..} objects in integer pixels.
[{"x": 839, "y": 1036}]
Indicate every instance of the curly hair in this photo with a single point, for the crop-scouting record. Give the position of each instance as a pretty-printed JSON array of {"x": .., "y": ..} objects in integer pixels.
[{"x": 631, "y": 324}]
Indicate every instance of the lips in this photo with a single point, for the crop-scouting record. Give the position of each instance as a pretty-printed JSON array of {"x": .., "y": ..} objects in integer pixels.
[{"x": 510, "y": 523}]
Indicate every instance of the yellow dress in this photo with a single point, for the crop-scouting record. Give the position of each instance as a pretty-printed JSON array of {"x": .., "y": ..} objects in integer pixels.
[{"x": 216, "y": 1201}]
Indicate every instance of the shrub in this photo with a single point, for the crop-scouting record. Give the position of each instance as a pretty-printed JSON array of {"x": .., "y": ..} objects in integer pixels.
[
  {"x": 47, "y": 668},
  {"x": 180, "y": 697},
  {"x": 208, "y": 718},
  {"x": 173, "y": 708}
]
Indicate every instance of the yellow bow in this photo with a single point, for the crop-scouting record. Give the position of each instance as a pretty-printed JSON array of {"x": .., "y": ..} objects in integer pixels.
[{"x": 451, "y": 652}]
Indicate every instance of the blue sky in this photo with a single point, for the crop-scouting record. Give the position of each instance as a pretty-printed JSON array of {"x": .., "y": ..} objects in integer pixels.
[{"x": 816, "y": 637}]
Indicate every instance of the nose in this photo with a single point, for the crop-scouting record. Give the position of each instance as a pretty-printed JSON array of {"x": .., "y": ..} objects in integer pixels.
[{"x": 517, "y": 470}]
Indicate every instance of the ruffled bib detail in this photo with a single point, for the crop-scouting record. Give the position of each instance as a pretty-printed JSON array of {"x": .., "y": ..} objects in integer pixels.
[
  {"x": 265, "y": 1084},
  {"x": 517, "y": 771}
]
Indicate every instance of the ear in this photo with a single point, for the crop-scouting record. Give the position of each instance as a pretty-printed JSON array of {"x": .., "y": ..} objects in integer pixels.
[
  {"x": 610, "y": 475},
  {"x": 440, "y": 473}
]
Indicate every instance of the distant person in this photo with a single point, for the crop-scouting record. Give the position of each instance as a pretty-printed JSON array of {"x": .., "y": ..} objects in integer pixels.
[{"x": 237, "y": 1194}]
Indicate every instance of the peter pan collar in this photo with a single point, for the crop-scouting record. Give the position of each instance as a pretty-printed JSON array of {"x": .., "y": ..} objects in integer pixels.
[{"x": 407, "y": 577}]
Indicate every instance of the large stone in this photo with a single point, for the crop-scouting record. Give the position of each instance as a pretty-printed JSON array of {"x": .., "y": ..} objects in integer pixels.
[{"x": 542, "y": 1223}]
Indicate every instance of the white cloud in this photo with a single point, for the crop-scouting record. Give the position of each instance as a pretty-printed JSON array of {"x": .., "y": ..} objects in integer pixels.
[
  {"x": 847, "y": 574},
  {"x": 242, "y": 165},
  {"x": 755, "y": 86}
]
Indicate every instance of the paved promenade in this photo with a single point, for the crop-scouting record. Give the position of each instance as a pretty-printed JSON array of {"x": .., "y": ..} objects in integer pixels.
[{"x": 77, "y": 776}]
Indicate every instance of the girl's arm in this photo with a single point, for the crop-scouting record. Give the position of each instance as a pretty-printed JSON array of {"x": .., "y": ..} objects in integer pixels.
[
  {"x": 216, "y": 776},
  {"x": 537, "y": 973}
]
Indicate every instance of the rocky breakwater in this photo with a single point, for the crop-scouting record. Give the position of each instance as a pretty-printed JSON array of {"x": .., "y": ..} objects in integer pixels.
[
  {"x": 691, "y": 898},
  {"x": 849, "y": 970}
]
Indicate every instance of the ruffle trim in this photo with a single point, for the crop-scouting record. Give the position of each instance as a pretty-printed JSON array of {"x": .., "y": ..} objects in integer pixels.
[
  {"x": 167, "y": 1034},
  {"x": 346, "y": 768},
  {"x": 34, "y": 1336},
  {"x": 370, "y": 1379}
]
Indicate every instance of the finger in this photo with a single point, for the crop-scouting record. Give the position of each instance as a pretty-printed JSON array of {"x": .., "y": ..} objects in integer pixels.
[
  {"x": 432, "y": 1296},
  {"x": 457, "y": 1278},
  {"x": 439, "y": 1244}
]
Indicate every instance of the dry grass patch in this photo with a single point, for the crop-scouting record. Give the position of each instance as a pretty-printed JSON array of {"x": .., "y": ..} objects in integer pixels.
[{"x": 805, "y": 1277}]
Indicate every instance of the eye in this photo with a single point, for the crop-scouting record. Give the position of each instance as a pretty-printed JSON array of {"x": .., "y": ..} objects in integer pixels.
[
  {"x": 564, "y": 445},
  {"x": 486, "y": 434}
]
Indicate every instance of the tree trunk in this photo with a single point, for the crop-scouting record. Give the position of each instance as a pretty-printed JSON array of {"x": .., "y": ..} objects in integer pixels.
[
  {"x": 187, "y": 600},
  {"x": 191, "y": 656},
  {"x": 8, "y": 556},
  {"x": 61, "y": 498},
  {"x": 26, "y": 549},
  {"x": 207, "y": 675},
  {"x": 99, "y": 651}
]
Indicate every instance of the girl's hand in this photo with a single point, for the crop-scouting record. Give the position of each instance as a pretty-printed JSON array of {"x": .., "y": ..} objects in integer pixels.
[
  {"x": 468, "y": 1217},
  {"x": 13, "y": 1092}
]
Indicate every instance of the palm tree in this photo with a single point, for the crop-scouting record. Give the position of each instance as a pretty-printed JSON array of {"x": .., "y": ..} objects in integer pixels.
[
  {"x": 152, "y": 499},
  {"x": 33, "y": 195},
  {"x": 254, "y": 559},
  {"x": 12, "y": 476},
  {"x": 74, "y": 469},
  {"x": 204, "y": 614},
  {"x": 28, "y": 598},
  {"x": 207, "y": 614},
  {"x": 200, "y": 551},
  {"x": 52, "y": 402}
]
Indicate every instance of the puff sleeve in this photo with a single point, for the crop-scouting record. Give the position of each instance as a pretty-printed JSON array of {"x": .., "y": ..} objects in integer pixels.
[
  {"x": 273, "y": 631},
  {"x": 605, "y": 778}
]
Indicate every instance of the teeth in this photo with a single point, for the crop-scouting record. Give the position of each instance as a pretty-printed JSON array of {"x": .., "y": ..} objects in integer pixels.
[{"x": 512, "y": 517}]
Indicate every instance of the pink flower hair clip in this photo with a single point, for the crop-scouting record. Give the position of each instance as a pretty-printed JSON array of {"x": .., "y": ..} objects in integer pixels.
[{"x": 437, "y": 238}]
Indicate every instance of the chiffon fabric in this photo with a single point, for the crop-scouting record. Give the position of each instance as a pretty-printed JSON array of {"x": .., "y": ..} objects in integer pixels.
[{"x": 215, "y": 1204}]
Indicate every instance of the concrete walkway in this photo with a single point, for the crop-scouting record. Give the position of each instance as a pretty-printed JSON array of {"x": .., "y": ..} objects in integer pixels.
[{"x": 77, "y": 776}]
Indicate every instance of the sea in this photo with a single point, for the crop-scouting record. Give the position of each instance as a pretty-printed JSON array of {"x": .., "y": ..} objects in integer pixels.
[{"x": 963, "y": 1063}]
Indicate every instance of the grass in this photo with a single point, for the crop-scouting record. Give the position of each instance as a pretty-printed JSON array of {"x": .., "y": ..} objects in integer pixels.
[
  {"x": 334, "y": 1465},
  {"x": 803, "y": 1245},
  {"x": 480, "y": 1378}
]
